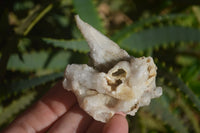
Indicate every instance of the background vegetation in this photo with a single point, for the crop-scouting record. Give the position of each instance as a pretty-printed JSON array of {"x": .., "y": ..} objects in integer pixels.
[{"x": 39, "y": 38}]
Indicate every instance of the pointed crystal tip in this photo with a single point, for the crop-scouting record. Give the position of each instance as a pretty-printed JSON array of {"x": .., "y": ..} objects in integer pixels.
[{"x": 104, "y": 52}]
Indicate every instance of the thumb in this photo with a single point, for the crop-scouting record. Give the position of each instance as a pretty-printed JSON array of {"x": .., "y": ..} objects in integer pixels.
[{"x": 117, "y": 124}]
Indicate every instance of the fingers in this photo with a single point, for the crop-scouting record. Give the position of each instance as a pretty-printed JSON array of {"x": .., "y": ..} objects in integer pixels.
[
  {"x": 46, "y": 111},
  {"x": 59, "y": 102},
  {"x": 76, "y": 120},
  {"x": 96, "y": 127},
  {"x": 117, "y": 124}
]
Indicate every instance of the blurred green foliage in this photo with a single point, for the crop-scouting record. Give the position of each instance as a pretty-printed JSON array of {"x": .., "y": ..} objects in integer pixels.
[{"x": 39, "y": 38}]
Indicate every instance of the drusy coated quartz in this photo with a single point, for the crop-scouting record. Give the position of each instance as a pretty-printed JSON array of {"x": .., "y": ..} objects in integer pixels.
[{"x": 114, "y": 81}]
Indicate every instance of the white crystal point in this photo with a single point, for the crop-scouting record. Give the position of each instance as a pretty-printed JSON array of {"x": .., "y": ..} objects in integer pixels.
[
  {"x": 127, "y": 84},
  {"x": 103, "y": 51}
]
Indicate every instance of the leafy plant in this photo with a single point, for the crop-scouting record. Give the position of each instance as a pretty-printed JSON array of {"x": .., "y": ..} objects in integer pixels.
[{"x": 39, "y": 38}]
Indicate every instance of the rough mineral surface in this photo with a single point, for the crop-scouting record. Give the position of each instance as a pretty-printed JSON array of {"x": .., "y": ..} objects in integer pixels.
[{"x": 114, "y": 81}]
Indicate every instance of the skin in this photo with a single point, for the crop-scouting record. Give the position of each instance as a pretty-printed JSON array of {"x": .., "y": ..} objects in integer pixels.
[{"x": 58, "y": 112}]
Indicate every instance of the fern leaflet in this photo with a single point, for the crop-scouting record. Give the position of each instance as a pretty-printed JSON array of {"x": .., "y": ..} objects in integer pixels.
[
  {"x": 158, "y": 36},
  {"x": 75, "y": 45}
]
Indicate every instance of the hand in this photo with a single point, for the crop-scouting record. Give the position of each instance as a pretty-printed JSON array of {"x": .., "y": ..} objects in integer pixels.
[{"x": 58, "y": 112}]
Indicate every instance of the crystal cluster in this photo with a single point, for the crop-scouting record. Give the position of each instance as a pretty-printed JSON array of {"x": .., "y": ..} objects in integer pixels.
[{"x": 114, "y": 81}]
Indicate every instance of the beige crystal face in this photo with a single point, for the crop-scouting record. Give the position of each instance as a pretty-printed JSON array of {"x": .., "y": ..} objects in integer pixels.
[{"x": 114, "y": 82}]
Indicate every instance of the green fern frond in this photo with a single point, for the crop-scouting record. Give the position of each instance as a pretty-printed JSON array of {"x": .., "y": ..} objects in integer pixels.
[
  {"x": 180, "y": 104},
  {"x": 190, "y": 115},
  {"x": 149, "y": 122},
  {"x": 75, "y": 45},
  {"x": 23, "y": 85},
  {"x": 158, "y": 36},
  {"x": 158, "y": 108},
  {"x": 191, "y": 72},
  {"x": 181, "y": 85},
  {"x": 16, "y": 106},
  {"x": 42, "y": 60},
  {"x": 149, "y": 21},
  {"x": 88, "y": 12}
]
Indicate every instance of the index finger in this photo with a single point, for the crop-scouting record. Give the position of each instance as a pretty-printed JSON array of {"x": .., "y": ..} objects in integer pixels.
[{"x": 43, "y": 113}]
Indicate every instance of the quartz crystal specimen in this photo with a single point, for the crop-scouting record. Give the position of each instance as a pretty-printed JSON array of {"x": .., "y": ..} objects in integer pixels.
[{"x": 113, "y": 81}]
